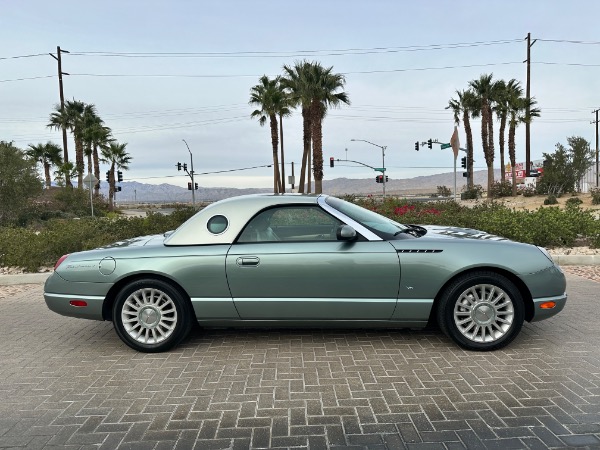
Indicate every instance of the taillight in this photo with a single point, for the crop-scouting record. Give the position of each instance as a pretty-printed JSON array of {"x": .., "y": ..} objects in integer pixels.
[{"x": 60, "y": 260}]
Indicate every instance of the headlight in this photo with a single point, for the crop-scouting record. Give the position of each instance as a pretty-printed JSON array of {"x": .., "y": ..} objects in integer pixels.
[{"x": 545, "y": 252}]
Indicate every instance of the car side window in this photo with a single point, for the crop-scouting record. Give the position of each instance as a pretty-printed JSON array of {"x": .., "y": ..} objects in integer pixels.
[{"x": 291, "y": 223}]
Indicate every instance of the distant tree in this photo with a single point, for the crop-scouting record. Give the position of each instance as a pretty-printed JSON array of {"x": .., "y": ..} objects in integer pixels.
[
  {"x": 48, "y": 154},
  {"x": 118, "y": 158},
  {"x": 463, "y": 107},
  {"x": 65, "y": 171},
  {"x": 270, "y": 98},
  {"x": 582, "y": 158},
  {"x": 19, "y": 182},
  {"x": 564, "y": 168}
]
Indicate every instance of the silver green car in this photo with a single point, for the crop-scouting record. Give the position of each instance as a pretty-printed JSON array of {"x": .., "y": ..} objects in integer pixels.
[{"x": 302, "y": 260}]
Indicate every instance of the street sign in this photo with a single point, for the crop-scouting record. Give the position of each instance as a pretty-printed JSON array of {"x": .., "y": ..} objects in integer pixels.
[
  {"x": 445, "y": 146},
  {"x": 379, "y": 169}
]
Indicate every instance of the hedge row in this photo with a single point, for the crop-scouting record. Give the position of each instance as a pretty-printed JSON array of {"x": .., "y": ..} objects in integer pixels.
[{"x": 32, "y": 248}]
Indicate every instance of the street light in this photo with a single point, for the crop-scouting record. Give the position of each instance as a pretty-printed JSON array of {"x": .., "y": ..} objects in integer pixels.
[
  {"x": 192, "y": 174},
  {"x": 382, "y": 147}
]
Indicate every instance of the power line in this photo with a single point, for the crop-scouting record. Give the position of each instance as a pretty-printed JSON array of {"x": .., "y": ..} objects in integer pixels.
[
  {"x": 204, "y": 173},
  {"x": 22, "y": 56}
]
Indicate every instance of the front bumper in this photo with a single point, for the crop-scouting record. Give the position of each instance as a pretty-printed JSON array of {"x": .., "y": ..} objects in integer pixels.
[{"x": 541, "y": 314}]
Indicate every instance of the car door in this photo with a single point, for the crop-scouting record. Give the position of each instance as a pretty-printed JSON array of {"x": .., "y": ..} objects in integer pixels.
[{"x": 305, "y": 273}]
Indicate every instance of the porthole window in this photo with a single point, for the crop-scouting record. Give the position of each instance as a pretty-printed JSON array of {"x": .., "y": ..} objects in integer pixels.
[{"x": 217, "y": 224}]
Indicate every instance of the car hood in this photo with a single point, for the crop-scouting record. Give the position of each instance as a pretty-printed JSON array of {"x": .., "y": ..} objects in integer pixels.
[{"x": 444, "y": 232}]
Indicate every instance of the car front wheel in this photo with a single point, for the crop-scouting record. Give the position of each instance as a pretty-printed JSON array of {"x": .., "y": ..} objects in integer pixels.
[
  {"x": 481, "y": 311},
  {"x": 151, "y": 316}
]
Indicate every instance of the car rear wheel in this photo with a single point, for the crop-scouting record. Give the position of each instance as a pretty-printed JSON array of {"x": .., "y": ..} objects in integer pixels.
[
  {"x": 151, "y": 316},
  {"x": 481, "y": 311}
]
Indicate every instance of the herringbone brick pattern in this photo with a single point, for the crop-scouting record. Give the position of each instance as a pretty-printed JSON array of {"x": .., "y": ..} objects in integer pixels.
[{"x": 69, "y": 383}]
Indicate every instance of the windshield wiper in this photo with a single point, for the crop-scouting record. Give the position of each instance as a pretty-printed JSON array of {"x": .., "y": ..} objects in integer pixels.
[{"x": 413, "y": 230}]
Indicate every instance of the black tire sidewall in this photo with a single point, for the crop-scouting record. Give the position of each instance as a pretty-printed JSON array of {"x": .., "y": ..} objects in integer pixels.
[
  {"x": 182, "y": 327},
  {"x": 451, "y": 295}
]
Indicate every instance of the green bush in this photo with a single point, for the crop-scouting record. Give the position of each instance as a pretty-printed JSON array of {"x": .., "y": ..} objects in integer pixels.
[
  {"x": 573, "y": 202},
  {"x": 550, "y": 200},
  {"x": 472, "y": 193},
  {"x": 444, "y": 191},
  {"x": 501, "y": 189},
  {"x": 595, "y": 192},
  {"x": 528, "y": 191}
]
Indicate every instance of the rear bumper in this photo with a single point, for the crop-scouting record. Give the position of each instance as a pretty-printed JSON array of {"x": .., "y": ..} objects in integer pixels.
[
  {"x": 60, "y": 303},
  {"x": 541, "y": 314}
]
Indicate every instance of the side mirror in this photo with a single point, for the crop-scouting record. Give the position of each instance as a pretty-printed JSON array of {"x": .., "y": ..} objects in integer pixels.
[{"x": 346, "y": 233}]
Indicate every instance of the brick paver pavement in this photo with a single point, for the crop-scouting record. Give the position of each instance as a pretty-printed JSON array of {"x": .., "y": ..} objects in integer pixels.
[{"x": 70, "y": 383}]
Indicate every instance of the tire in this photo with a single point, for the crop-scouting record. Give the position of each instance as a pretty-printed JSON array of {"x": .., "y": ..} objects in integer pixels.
[
  {"x": 481, "y": 311},
  {"x": 151, "y": 316}
]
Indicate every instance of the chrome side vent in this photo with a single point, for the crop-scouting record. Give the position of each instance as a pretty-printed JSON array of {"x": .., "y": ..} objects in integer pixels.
[{"x": 418, "y": 251}]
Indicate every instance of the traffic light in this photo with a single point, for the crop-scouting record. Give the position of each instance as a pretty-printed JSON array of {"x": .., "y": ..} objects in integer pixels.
[
  {"x": 178, "y": 166},
  {"x": 190, "y": 186},
  {"x": 196, "y": 186},
  {"x": 386, "y": 179},
  {"x": 108, "y": 176},
  {"x": 185, "y": 167},
  {"x": 119, "y": 176},
  {"x": 417, "y": 146},
  {"x": 331, "y": 161},
  {"x": 379, "y": 179},
  {"x": 463, "y": 162},
  {"x": 117, "y": 188},
  {"x": 430, "y": 143},
  {"x": 466, "y": 174}
]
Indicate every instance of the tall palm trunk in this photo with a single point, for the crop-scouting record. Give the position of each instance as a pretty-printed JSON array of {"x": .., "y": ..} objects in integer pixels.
[
  {"x": 282, "y": 155},
  {"x": 275, "y": 143},
  {"x": 512, "y": 156},
  {"x": 317, "y": 140},
  {"x": 306, "y": 139},
  {"x": 96, "y": 169},
  {"x": 501, "y": 139},
  {"x": 485, "y": 141},
  {"x": 469, "y": 133},
  {"x": 79, "y": 163},
  {"x": 47, "y": 174},
  {"x": 490, "y": 153}
]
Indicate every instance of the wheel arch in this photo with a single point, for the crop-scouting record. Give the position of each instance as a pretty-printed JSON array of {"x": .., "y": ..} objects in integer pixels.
[
  {"x": 109, "y": 301},
  {"x": 520, "y": 285}
]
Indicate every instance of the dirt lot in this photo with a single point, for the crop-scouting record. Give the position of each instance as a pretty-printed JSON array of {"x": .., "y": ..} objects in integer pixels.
[{"x": 533, "y": 203}]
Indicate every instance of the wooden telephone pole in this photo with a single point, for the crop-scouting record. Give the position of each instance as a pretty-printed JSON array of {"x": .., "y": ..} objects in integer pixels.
[
  {"x": 596, "y": 122},
  {"x": 62, "y": 108}
]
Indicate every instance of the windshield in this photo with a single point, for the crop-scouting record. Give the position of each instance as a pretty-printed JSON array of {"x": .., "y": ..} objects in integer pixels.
[{"x": 378, "y": 224}]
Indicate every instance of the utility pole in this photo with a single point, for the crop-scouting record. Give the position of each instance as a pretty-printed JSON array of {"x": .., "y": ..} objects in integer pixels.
[
  {"x": 62, "y": 107},
  {"x": 596, "y": 122},
  {"x": 527, "y": 106}
]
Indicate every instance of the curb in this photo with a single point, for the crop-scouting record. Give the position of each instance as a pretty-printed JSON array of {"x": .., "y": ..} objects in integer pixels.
[
  {"x": 24, "y": 278},
  {"x": 576, "y": 260}
]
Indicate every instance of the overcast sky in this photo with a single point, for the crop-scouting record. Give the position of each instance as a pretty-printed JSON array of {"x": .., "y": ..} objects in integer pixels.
[{"x": 399, "y": 58}]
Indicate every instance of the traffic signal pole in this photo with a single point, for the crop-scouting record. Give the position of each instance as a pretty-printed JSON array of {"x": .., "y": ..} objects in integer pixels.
[{"x": 192, "y": 174}]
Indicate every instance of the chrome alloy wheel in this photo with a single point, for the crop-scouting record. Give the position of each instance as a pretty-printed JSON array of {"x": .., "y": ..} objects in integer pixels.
[
  {"x": 149, "y": 316},
  {"x": 484, "y": 313}
]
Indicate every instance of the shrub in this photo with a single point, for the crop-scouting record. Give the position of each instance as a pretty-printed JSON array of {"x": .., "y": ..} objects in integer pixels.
[
  {"x": 501, "y": 189},
  {"x": 595, "y": 192},
  {"x": 573, "y": 202},
  {"x": 550, "y": 200},
  {"x": 528, "y": 191},
  {"x": 472, "y": 193},
  {"x": 444, "y": 191}
]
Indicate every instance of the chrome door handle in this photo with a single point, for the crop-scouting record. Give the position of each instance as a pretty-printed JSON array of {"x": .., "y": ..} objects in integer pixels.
[{"x": 247, "y": 261}]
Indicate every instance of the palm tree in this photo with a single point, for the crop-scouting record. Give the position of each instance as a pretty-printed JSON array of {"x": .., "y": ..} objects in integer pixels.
[
  {"x": 517, "y": 111},
  {"x": 284, "y": 111},
  {"x": 59, "y": 120},
  {"x": 95, "y": 135},
  {"x": 65, "y": 171},
  {"x": 465, "y": 105},
  {"x": 506, "y": 91},
  {"x": 315, "y": 88},
  {"x": 325, "y": 89},
  {"x": 269, "y": 96},
  {"x": 296, "y": 84},
  {"x": 115, "y": 154},
  {"x": 48, "y": 154},
  {"x": 485, "y": 91}
]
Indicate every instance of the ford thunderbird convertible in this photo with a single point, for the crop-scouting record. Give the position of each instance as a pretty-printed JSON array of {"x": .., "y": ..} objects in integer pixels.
[{"x": 308, "y": 261}]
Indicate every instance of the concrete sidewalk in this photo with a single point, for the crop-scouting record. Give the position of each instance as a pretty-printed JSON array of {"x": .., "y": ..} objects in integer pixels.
[{"x": 36, "y": 278}]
